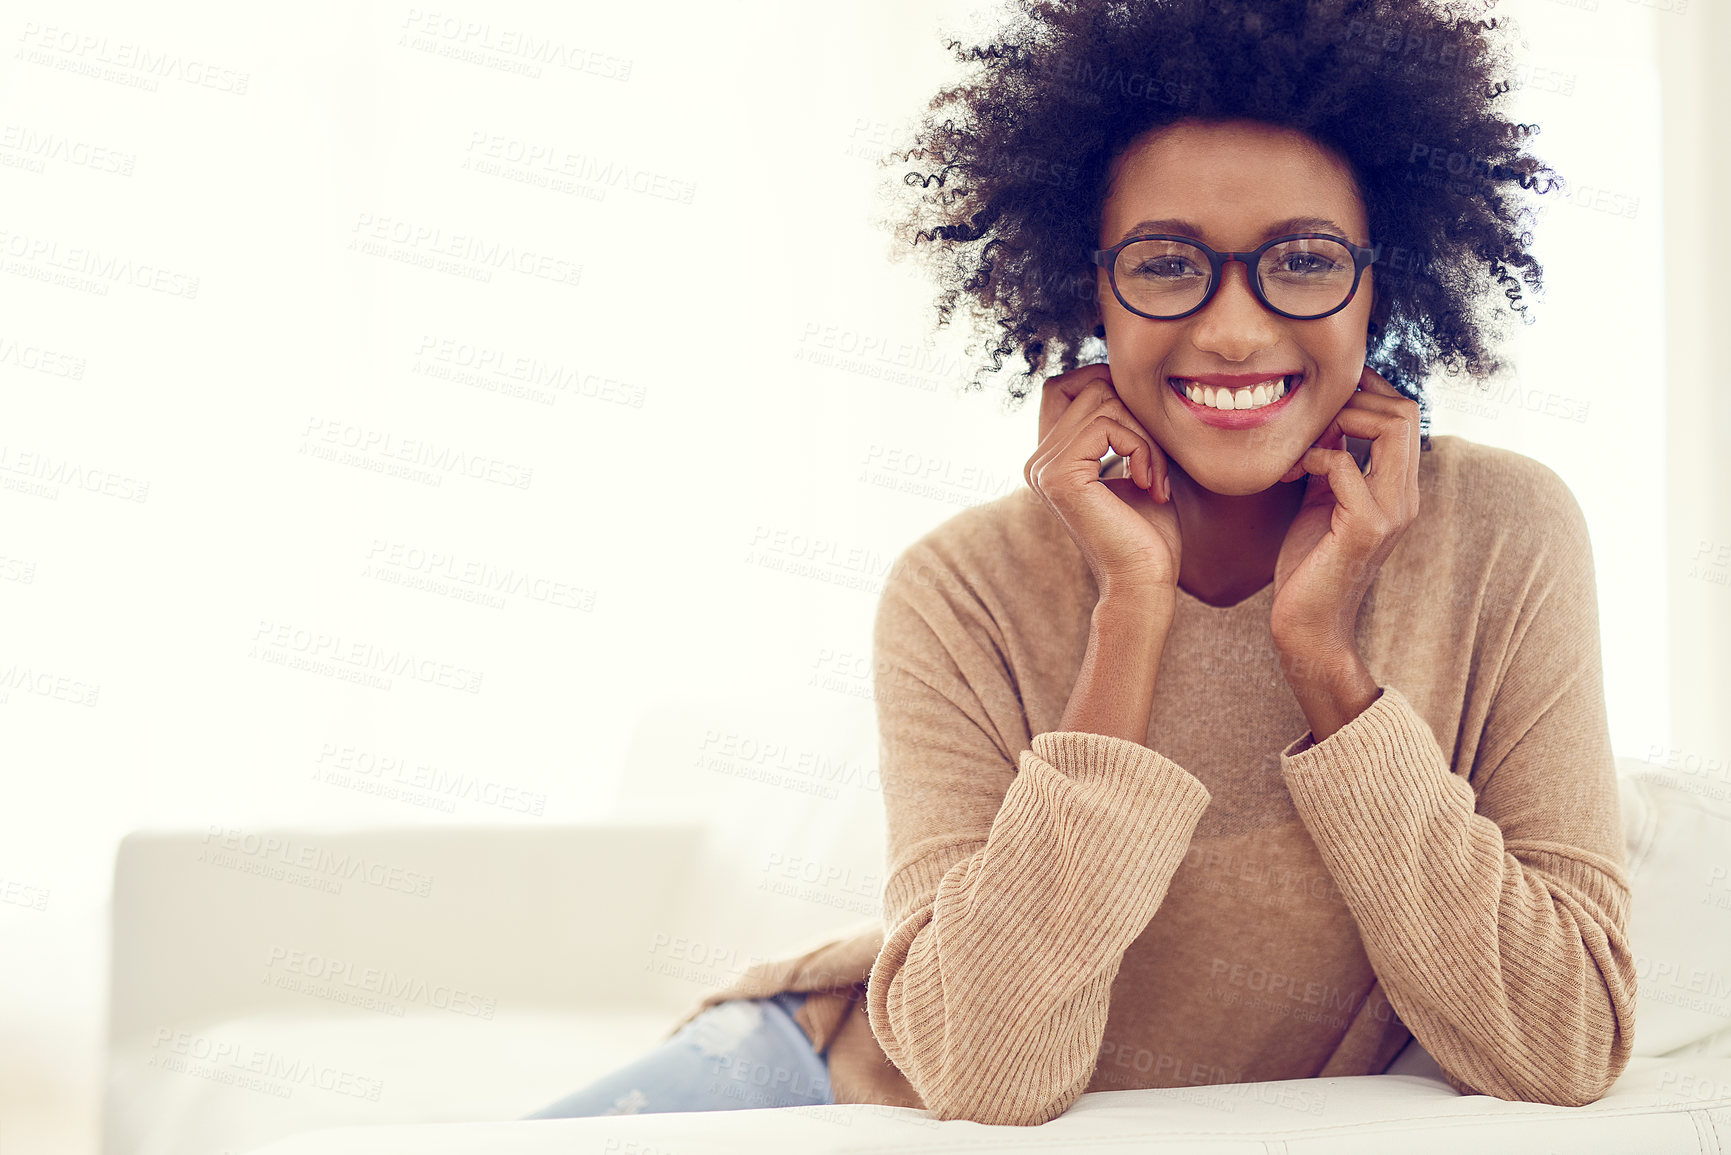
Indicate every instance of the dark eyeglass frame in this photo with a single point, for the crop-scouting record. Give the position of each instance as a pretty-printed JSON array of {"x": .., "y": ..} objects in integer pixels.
[{"x": 1362, "y": 255}]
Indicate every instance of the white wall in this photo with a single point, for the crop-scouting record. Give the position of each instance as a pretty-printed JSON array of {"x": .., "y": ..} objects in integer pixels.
[
  {"x": 703, "y": 447},
  {"x": 1697, "y": 148}
]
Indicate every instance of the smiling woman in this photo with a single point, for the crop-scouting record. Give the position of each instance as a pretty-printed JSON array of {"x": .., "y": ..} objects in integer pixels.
[{"x": 1263, "y": 759}]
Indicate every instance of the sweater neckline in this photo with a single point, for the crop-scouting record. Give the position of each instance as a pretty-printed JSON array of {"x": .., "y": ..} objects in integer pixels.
[{"x": 1262, "y": 597}]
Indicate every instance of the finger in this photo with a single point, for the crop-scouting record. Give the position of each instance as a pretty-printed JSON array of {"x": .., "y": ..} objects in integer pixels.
[
  {"x": 1065, "y": 443},
  {"x": 1105, "y": 433},
  {"x": 1378, "y": 386},
  {"x": 1376, "y": 391},
  {"x": 1139, "y": 462},
  {"x": 1373, "y": 382},
  {"x": 1091, "y": 397},
  {"x": 1394, "y": 409},
  {"x": 1138, "y": 457},
  {"x": 1149, "y": 469},
  {"x": 1157, "y": 470},
  {"x": 1058, "y": 392},
  {"x": 1392, "y": 474},
  {"x": 1349, "y": 488},
  {"x": 1368, "y": 402}
]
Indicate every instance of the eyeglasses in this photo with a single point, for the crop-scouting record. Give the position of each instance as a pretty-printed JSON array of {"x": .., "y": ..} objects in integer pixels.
[{"x": 1304, "y": 276}]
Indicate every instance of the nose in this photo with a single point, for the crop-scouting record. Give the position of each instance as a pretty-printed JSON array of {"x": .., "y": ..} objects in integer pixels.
[{"x": 1234, "y": 324}]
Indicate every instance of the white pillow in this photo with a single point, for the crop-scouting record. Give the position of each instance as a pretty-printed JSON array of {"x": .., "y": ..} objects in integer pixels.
[{"x": 1677, "y": 828}]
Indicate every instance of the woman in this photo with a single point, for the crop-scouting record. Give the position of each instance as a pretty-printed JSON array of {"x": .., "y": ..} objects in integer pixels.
[{"x": 1247, "y": 757}]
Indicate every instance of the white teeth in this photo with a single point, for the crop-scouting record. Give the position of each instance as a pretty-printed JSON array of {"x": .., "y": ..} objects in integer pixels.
[{"x": 1253, "y": 397}]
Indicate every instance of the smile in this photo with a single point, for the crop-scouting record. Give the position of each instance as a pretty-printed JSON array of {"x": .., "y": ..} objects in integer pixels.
[{"x": 1239, "y": 408}]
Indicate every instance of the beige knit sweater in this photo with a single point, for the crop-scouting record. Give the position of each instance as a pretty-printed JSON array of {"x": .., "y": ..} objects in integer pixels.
[{"x": 1229, "y": 902}]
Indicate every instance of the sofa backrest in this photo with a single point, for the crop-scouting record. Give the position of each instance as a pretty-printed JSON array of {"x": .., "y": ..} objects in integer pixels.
[{"x": 221, "y": 923}]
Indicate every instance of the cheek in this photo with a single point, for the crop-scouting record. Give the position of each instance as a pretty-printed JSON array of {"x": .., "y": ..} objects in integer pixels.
[
  {"x": 1341, "y": 348},
  {"x": 1139, "y": 344}
]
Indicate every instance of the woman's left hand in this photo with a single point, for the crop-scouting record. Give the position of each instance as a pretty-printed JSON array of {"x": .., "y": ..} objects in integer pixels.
[{"x": 1347, "y": 524}]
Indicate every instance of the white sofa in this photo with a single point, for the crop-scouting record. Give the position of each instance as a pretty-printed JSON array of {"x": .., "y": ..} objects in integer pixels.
[{"x": 463, "y": 976}]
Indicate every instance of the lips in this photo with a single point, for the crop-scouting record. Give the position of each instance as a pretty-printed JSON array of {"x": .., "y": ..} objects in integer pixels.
[{"x": 1236, "y": 418}]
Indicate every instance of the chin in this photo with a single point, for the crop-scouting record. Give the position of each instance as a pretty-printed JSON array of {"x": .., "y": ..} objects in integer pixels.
[{"x": 1239, "y": 482}]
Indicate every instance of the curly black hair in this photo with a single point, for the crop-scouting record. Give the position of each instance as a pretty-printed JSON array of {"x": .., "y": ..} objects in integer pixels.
[{"x": 1013, "y": 163}]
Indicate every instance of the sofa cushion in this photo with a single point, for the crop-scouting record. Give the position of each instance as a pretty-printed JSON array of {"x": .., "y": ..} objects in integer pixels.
[
  {"x": 236, "y": 1085},
  {"x": 1659, "y": 1107}
]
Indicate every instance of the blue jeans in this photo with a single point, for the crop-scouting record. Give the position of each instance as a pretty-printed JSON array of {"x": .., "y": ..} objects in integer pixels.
[{"x": 738, "y": 1054}]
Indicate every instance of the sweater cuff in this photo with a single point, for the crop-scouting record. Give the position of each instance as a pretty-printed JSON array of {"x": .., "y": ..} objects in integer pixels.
[
  {"x": 1120, "y": 763},
  {"x": 1389, "y": 746}
]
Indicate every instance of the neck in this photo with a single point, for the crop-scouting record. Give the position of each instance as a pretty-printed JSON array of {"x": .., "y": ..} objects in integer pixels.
[{"x": 1231, "y": 541}]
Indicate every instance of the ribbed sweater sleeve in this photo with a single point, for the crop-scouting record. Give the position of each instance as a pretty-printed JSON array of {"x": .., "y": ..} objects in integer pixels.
[
  {"x": 1020, "y": 869},
  {"x": 1495, "y": 913}
]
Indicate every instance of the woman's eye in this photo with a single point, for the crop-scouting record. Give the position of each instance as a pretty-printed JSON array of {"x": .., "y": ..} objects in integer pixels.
[
  {"x": 1306, "y": 263},
  {"x": 1165, "y": 268}
]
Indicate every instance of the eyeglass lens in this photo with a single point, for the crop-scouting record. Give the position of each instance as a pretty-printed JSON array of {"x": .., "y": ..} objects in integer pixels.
[{"x": 1306, "y": 277}]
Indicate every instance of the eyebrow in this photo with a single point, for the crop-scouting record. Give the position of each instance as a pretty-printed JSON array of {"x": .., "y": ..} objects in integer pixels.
[{"x": 1187, "y": 228}]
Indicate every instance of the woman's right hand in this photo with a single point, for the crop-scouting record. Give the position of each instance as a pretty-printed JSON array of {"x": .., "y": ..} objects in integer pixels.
[{"x": 1125, "y": 527}]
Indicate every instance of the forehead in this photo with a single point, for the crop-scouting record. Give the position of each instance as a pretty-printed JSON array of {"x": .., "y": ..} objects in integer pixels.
[{"x": 1232, "y": 179}]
